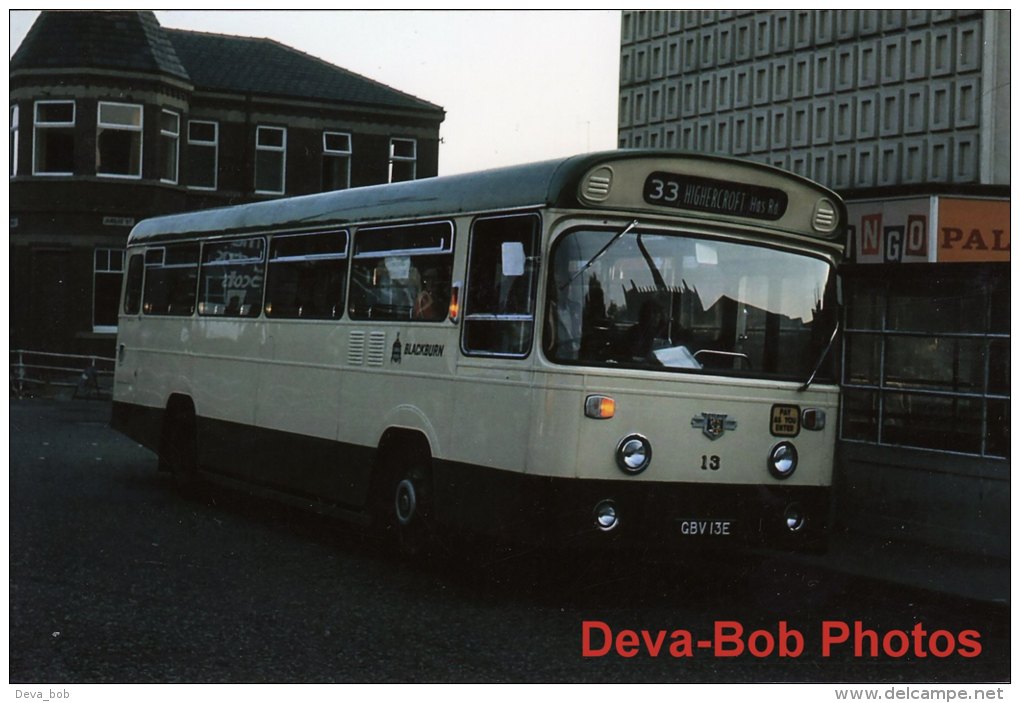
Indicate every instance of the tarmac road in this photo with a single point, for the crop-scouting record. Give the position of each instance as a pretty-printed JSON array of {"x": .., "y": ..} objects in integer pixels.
[{"x": 115, "y": 576}]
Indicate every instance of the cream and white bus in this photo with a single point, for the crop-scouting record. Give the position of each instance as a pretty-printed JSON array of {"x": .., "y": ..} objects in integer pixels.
[{"x": 630, "y": 347}]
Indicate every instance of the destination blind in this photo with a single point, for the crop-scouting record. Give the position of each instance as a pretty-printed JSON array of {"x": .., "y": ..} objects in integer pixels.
[{"x": 715, "y": 196}]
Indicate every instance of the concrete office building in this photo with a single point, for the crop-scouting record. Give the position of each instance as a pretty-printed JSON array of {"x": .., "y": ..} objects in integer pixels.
[{"x": 906, "y": 114}]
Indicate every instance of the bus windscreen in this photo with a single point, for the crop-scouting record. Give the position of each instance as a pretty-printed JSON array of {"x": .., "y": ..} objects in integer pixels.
[{"x": 676, "y": 302}]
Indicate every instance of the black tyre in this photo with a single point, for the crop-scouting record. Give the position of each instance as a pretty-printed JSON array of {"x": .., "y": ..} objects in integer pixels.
[{"x": 409, "y": 506}]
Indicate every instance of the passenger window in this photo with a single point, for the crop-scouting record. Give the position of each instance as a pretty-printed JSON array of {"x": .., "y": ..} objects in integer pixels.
[
  {"x": 133, "y": 285},
  {"x": 171, "y": 275},
  {"x": 499, "y": 315},
  {"x": 307, "y": 276},
  {"x": 232, "y": 278},
  {"x": 402, "y": 273}
]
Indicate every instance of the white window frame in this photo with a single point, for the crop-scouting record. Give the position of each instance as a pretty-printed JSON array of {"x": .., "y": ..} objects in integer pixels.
[
  {"x": 413, "y": 159},
  {"x": 215, "y": 144},
  {"x": 347, "y": 154},
  {"x": 176, "y": 137},
  {"x": 100, "y": 125},
  {"x": 108, "y": 269},
  {"x": 38, "y": 125},
  {"x": 15, "y": 125},
  {"x": 282, "y": 149}
]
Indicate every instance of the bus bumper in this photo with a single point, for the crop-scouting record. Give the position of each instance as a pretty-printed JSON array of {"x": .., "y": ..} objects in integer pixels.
[{"x": 648, "y": 516}]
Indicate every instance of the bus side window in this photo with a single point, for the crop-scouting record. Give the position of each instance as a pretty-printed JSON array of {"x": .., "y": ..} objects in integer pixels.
[
  {"x": 499, "y": 315},
  {"x": 307, "y": 276},
  {"x": 232, "y": 278},
  {"x": 402, "y": 272},
  {"x": 171, "y": 274},
  {"x": 133, "y": 285}
]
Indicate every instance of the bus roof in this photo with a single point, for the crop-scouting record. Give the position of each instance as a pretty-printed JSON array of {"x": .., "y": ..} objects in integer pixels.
[{"x": 551, "y": 183}]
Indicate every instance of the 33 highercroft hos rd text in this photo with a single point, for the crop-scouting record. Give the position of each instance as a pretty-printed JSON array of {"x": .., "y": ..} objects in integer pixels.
[{"x": 731, "y": 639}]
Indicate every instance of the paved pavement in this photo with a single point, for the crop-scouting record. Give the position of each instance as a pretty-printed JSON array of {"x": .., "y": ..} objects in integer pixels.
[{"x": 920, "y": 566}]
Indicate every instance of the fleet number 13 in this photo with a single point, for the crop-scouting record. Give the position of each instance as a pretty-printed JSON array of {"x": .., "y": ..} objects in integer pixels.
[{"x": 710, "y": 463}]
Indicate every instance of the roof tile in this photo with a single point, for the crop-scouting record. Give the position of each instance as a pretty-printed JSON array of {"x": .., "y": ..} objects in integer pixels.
[
  {"x": 135, "y": 41},
  {"x": 131, "y": 41},
  {"x": 267, "y": 67}
]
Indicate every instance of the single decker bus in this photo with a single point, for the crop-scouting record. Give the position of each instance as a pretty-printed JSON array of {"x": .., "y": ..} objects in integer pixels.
[{"x": 626, "y": 347}]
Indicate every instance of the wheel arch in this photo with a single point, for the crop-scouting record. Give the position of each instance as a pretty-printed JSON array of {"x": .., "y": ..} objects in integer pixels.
[
  {"x": 396, "y": 446},
  {"x": 403, "y": 442},
  {"x": 413, "y": 421},
  {"x": 180, "y": 402}
]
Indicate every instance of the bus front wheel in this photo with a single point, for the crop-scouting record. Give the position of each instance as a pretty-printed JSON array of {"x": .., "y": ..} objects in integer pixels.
[
  {"x": 410, "y": 509},
  {"x": 405, "y": 502}
]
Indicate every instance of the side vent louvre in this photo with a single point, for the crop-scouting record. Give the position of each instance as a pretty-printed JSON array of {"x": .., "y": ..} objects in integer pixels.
[
  {"x": 356, "y": 348},
  {"x": 376, "y": 349}
]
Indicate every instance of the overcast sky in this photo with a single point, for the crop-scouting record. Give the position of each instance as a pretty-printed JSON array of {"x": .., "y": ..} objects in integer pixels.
[{"x": 516, "y": 86}]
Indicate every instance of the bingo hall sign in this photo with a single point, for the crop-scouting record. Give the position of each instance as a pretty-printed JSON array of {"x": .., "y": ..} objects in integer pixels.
[{"x": 928, "y": 230}]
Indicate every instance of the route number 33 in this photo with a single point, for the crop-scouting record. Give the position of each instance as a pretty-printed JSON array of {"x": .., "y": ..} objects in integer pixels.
[{"x": 710, "y": 463}]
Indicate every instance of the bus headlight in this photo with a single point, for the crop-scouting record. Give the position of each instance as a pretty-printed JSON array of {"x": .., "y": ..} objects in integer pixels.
[
  {"x": 782, "y": 460},
  {"x": 633, "y": 454}
]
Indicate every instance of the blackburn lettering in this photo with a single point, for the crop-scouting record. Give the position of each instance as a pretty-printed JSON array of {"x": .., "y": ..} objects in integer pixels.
[{"x": 415, "y": 349}]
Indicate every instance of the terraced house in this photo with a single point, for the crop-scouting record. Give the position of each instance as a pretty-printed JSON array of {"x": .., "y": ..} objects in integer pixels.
[{"x": 114, "y": 118}]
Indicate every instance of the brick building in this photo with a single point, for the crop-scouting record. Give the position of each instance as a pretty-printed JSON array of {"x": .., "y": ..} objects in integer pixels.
[{"x": 115, "y": 118}]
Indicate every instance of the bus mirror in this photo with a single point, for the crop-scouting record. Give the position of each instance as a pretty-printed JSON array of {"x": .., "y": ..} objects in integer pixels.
[{"x": 513, "y": 259}]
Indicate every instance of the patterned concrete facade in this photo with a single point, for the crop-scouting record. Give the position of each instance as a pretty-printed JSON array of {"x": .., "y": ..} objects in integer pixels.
[{"x": 851, "y": 98}]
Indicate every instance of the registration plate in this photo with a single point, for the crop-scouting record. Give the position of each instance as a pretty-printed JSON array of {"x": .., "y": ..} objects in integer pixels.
[{"x": 706, "y": 528}]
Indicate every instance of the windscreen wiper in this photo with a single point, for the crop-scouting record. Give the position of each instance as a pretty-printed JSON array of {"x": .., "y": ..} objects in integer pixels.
[
  {"x": 600, "y": 252},
  {"x": 660, "y": 283},
  {"x": 821, "y": 359}
]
